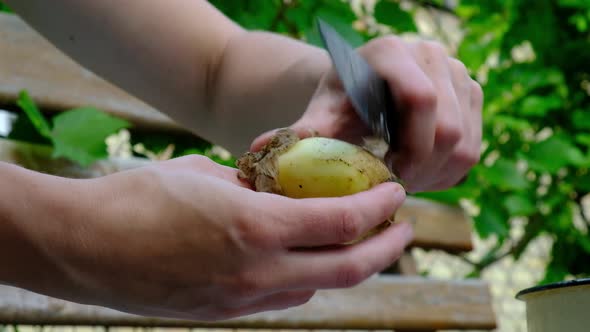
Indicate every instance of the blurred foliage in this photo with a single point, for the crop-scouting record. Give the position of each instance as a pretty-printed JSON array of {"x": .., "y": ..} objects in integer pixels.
[
  {"x": 4, "y": 8},
  {"x": 78, "y": 134},
  {"x": 532, "y": 58}
]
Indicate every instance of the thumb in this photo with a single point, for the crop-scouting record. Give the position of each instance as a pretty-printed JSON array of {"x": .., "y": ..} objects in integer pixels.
[{"x": 300, "y": 131}]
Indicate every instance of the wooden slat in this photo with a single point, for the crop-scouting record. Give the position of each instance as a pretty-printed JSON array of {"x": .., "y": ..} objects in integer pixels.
[
  {"x": 436, "y": 226},
  {"x": 385, "y": 302},
  {"x": 54, "y": 81}
]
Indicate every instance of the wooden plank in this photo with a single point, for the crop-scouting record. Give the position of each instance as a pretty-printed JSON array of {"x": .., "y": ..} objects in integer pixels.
[
  {"x": 405, "y": 265},
  {"x": 56, "y": 82},
  {"x": 385, "y": 302},
  {"x": 436, "y": 226}
]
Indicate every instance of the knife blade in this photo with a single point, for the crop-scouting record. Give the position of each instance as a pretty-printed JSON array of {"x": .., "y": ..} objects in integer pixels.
[{"x": 368, "y": 92}]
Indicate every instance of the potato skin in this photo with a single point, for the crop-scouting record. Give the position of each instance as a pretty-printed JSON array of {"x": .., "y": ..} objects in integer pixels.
[
  {"x": 314, "y": 167},
  {"x": 325, "y": 167}
]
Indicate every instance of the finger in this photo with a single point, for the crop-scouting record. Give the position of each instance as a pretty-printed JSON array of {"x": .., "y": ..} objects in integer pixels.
[
  {"x": 319, "y": 222},
  {"x": 449, "y": 116},
  {"x": 414, "y": 94},
  {"x": 263, "y": 139},
  {"x": 277, "y": 301},
  {"x": 462, "y": 83},
  {"x": 468, "y": 153},
  {"x": 477, "y": 99},
  {"x": 457, "y": 167},
  {"x": 331, "y": 114},
  {"x": 453, "y": 121},
  {"x": 350, "y": 265},
  {"x": 208, "y": 167}
]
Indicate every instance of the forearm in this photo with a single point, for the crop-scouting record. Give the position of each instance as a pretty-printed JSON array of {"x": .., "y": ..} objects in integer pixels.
[
  {"x": 188, "y": 60},
  {"x": 30, "y": 228},
  {"x": 265, "y": 81},
  {"x": 163, "y": 52}
]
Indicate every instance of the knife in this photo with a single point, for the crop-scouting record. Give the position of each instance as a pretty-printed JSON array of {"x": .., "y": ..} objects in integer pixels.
[{"x": 368, "y": 92}]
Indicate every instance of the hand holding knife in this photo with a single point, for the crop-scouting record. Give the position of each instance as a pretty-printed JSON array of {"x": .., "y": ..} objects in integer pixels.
[{"x": 368, "y": 92}]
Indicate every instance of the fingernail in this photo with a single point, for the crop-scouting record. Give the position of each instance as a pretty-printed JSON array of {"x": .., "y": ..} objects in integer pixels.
[
  {"x": 408, "y": 232},
  {"x": 400, "y": 192}
]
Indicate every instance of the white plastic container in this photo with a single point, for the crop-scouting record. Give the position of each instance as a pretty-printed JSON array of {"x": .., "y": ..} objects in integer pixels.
[{"x": 558, "y": 307}]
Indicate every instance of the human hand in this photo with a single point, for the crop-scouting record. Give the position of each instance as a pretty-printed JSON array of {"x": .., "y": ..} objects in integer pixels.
[
  {"x": 440, "y": 105},
  {"x": 186, "y": 239}
]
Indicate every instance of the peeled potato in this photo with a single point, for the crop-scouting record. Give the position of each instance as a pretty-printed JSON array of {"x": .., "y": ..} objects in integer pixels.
[{"x": 324, "y": 167}]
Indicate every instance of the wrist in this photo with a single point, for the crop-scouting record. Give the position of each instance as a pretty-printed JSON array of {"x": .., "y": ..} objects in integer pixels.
[
  {"x": 24, "y": 217},
  {"x": 35, "y": 229}
]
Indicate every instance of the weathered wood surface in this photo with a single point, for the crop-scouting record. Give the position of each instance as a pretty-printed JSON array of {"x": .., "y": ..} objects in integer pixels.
[
  {"x": 385, "y": 302},
  {"x": 56, "y": 82},
  {"x": 436, "y": 226}
]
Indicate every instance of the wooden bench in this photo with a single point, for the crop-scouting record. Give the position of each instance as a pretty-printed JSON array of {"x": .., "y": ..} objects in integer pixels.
[{"x": 401, "y": 300}]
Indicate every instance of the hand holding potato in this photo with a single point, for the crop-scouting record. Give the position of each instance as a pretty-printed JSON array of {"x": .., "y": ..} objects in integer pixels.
[{"x": 186, "y": 238}]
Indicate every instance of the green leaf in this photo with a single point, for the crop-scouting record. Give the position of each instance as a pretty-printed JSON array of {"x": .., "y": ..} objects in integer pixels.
[
  {"x": 340, "y": 16},
  {"x": 554, "y": 153},
  {"x": 581, "y": 119},
  {"x": 4, "y": 8},
  {"x": 252, "y": 14},
  {"x": 503, "y": 174},
  {"x": 539, "y": 106},
  {"x": 532, "y": 230},
  {"x": 581, "y": 181},
  {"x": 584, "y": 242},
  {"x": 80, "y": 134},
  {"x": 583, "y": 139},
  {"x": 30, "y": 108},
  {"x": 301, "y": 17},
  {"x": 510, "y": 122},
  {"x": 554, "y": 272},
  {"x": 491, "y": 220},
  {"x": 389, "y": 13},
  {"x": 519, "y": 205},
  {"x": 481, "y": 40},
  {"x": 24, "y": 130},
  {"x": 574, "y": 3}
]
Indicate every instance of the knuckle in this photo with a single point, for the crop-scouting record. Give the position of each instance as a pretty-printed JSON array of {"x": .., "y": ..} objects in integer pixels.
[
  {"x": 348, "y": 222},
  {"x": 458, "y": 66},
  {"x": 247, "y": 232},
  {"x": 449, "y": 133},
  {"x": 382, "y": 44},
  {"x": 244, "y": 229},
  {"x": 466, "y": 157},
  {"x": 390, "y": 41},
  {"x": 434, "y": 47},
  {"x": 351, "y": 275},
  {"x": 197, "y": 160},
  {"x": 476, "y": 91},
  {"x": 421, "y": 98}
]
